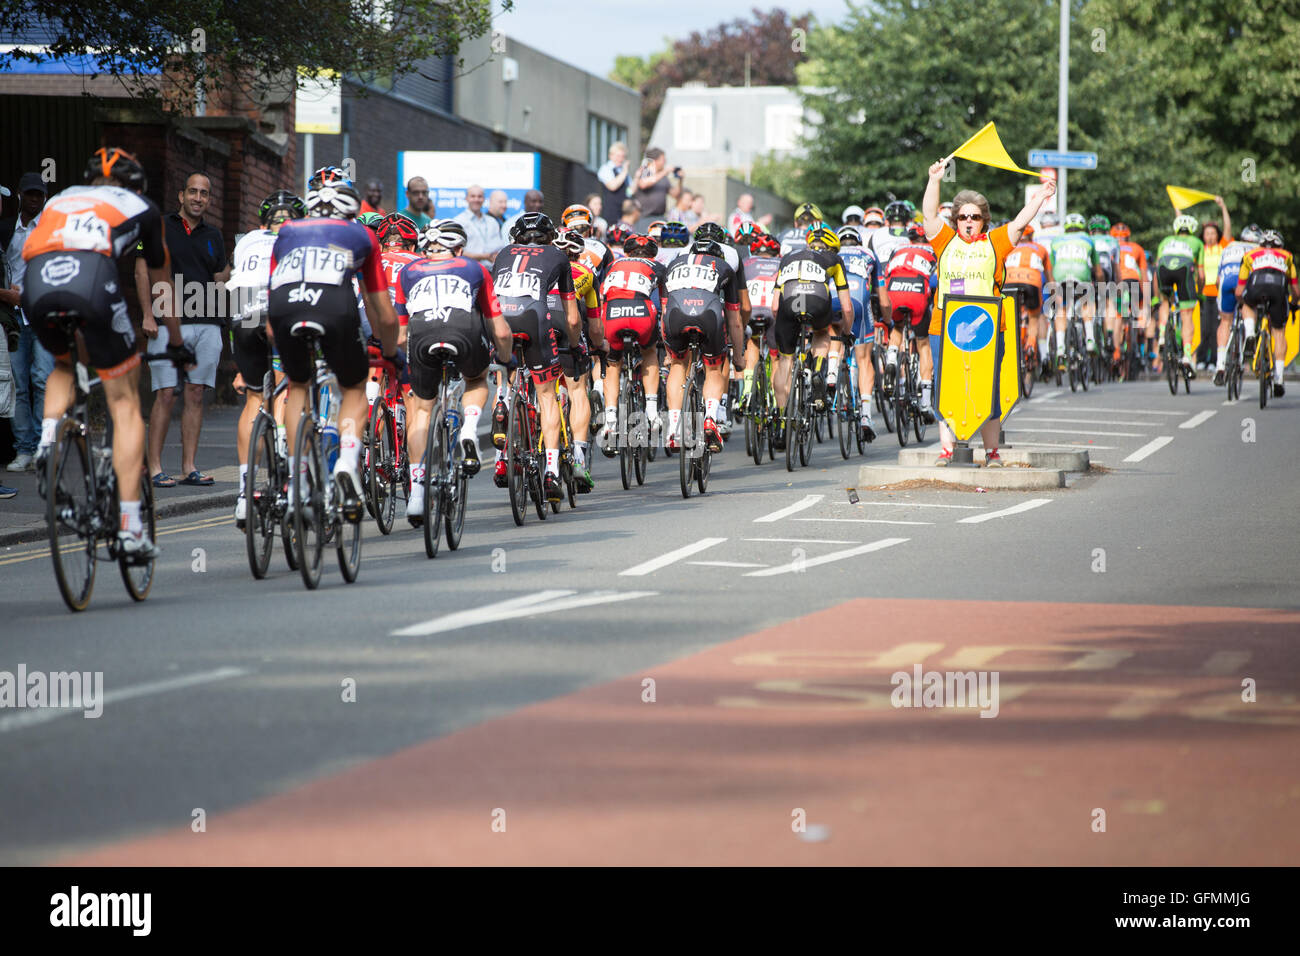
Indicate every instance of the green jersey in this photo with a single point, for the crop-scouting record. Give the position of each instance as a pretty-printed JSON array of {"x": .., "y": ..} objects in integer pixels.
[
  {"x": 1178, "y": 252},
  {"x": 1073, "y": 258}
]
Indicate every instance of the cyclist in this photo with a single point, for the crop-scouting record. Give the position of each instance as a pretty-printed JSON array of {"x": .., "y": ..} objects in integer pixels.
[
  {"x": 578, "y": 367},
  {"x": 853, "y": 216},
  {"x": 715, "y": 233},
  {"x": 371, "y": 221},
  {"x": 629, "y": 300},
  {"x": 313, "y": 263},
  {"x": 906, "y": 292},
  {"x": 449, "y": 299},
  {"x": 615, "y": 236},
  {"x": 1075, "y": 270},
  {"x": 1229, "y": 269},
  {"x": 703, "y": 291},
  {"x": 595, "y": 255},
  {"x": 884, "y": 242},
  {"x": 525, "y": 275},
  {"x": 872, "y": 219},
  {"x": 805, "y": 216},
  {"x": 251, "y": 273},
  {"x": 803, "y": 293},
  {"x": 398, "y": 237},
  {"x": 71, "y": 259},
  {"x": 1029, "y": 266},
  {"x": 673, "y": 238},
  {"x": 861, "y": 270},
  {"x": 1176, "y": 259},
  {"x": 761, "y": 267},
  {"x": 1134, "y": 282},
  {"x": 1107, "y": 248},
  {"x": 1268, "y": 280}
]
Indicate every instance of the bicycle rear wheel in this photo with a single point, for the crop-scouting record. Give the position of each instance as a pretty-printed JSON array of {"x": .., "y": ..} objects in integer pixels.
[
  {"x": 381, "y": 471},
  {"x": 843, "y": 423},
  {"x": 902, "y": 408},
  {"x": 309, "y": 514},
  {"x": 435, "y": 456},
  {"x": 457, "y": 491},
  {"x": 260, "y": 494},
  {"x": 1170, "y": 358},
  {"x": 792, "y": 414},
  {"x": 1264, "y": 355},
  {"x": 347, "y": 536},
  {"x": 687, "y": 440},
  {"x": 70, "y": 514},
  {"x": 138, "y": 575},
  {"x": 918, "y": 413},
  {"x": 518, "y": 441}
]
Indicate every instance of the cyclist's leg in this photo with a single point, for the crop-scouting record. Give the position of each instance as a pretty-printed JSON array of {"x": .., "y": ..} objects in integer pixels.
[
  {"x": 786, "y": 330},
  {"x": 425, "y": 383}
]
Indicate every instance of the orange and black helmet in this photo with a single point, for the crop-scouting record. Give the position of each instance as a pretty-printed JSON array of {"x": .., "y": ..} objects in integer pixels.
[
  {"x": 576, "y": 216},
  {"x": 118, "y": 163},
  {"x": 1120, "y": 230}
]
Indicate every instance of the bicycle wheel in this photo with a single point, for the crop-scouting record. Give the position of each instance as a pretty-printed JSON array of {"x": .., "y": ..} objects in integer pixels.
[
  {"x": 260, "y": 494},
  {"x": 918, "y": 413},
  {"x": 517, "y": 445},
  {"x": 1264, "y": 351},
  {"x": 792, "y": 414},
  {"x": 70, "y": 514},
  {"x": 381, "y": 471},
  {"x": 347, "y": 536},
  {"x": 457, "y": 492},
  {"x": 138, "y": 575},
  {"x": 1085, "y": 367},
  {"x": 435, "y": 467},
  {"x": 1169, "y": 358},
  {"x": 902, "y": 408},
  {"x": 309, "y": 513},
  {"x": 1028, "y": 369},
  {"x": 686, "y": 440},
  {"x": 842, "y": 426},
  {"x": 626, "y": 448}
]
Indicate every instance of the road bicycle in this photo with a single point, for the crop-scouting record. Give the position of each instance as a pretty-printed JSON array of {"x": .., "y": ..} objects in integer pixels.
[
  {"x": 322, "y": 514},
  {"x": 568, "y": 460},
  {"x": 523, "y": 438},
  {"x": 633, "y": 427},
  {"x": 694, "y": 457},
  {"x": 1029, "y": 370},
  {"x": 846, "y": 406},
  {"x": 79, "y": 485},
  {"x": 385, "y": 461},
  {"x": 266, "y": 485},
  {"x": 1263, "y": 360},
  {"x": 1171, "y": 354},
  {"x": 760, "y": 405},
  {"x": 1234, "y": 350},
  {"x": 446, "y": 482},
  {"x": 884, "y": 403},
  {"x": 798, "y": 402},
  {"x": 909, "y": 411}
]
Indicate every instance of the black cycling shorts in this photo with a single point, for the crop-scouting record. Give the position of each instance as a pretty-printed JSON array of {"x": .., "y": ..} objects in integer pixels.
[
  {"x": 762, "y": 326},
  {"x": 1266, "y": 294},
  {"x": 85, "y": 283},
  {"x": 691, "y": 309},
  {"x": 251, "y": 357},
  {"x": 816, "y": 309},
  {"x": 463, "y": 331},
  {"x": 531, "y": 319},
  {"x": 1031, "y": 297},
  {"x": 342, "y": 345},
  {"x": 1178, "y": 284}
]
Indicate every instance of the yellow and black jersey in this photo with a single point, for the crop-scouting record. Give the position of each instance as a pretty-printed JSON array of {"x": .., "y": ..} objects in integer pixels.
[{"x": 811, "y": 272}]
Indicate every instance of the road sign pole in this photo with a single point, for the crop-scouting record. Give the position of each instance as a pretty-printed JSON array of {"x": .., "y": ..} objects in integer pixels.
[{"x": 1063, "y": 106}]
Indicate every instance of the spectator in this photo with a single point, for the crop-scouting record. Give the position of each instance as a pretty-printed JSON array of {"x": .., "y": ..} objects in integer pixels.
[
  {"x": 697, "y": 207},
  {"x": 596, "y": 203},
  {"x": 373, "y": 198},
  {"x": 744, "y": 212},
  {"x": 613, "y": 178},
  {"x": 418, "y": 209},
  {"x": 631, "y": 214},
  {"x": 483, "y": 233},
  {"x": 682, "y": 212},
  {"x": 8, "y": 327},
  {"x": 1213, "y": 242},
  {"x": 198, "y": 255},
  {"x": 31, "y": 363},
  {"x": 533, "y": 202},
  {"x": 497, "y": 203},
  {"x": 655, "y": 183}
]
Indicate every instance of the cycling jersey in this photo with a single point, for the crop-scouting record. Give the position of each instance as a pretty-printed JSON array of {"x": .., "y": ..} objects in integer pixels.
[
  {"x": 1107, "y": 249},
  {"x": 665, "y": 256},
  {"x": 597, "y": 257},
  {"x": 793, "y": 239},
  {"x": 393, "y": 260},
  {"x": 1074, "y": 258},
  {"x": 907, "y": 277},
  {"x": 1177, "y": 252},
  {"x": 883, "y": 244},
  {"x": 1176, "y": 259},
  {"x": 1132, "y": 262},
  {"x": 861, "y": 270},
  {"x": 445, "y": 301},
  {"x": 523, "y": 277},
  {"x": 1264, "y": 277},
  {"x": 1261, "y": 259},
  {"x": 107, "y": 220},
  {"x": 1229, "y": 270},
  {"x": 804, "y": 283},
  {"x": 701, "y": 289},
  {"x": 630, "y": 295},
  {"x": 1028, "y": 264}
]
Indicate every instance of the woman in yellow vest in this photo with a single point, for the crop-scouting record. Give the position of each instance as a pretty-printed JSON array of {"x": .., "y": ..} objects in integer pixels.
[
  {"x": 1213, "y": 241},
  {"x": 972, "y": 261}
]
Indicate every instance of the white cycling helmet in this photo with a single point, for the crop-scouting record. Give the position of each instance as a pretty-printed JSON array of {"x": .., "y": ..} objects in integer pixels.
[
  {"x": 445, "y": 234},
  {"x": 1252, "y": 233},
  {"x": 851, "y": 211},
  {"x": 335, "y": 201}
]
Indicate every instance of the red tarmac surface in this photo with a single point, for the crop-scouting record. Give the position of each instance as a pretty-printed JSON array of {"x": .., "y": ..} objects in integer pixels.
[{"x": 1136, "y": 710}]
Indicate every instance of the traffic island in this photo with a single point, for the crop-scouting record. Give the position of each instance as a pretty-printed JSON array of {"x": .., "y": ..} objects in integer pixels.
[
  {"x": 1014, "y": 478},
  {"x": 1050, "y": 460}
]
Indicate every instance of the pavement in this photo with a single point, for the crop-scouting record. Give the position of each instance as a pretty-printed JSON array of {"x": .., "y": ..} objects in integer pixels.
[{"x": 648, "y": 679}]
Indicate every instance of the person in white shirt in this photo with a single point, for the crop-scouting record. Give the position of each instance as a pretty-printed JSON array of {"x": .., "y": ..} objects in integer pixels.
[
  {"x": 483, "y": 233},
  {"x": 31, "y": 362}
]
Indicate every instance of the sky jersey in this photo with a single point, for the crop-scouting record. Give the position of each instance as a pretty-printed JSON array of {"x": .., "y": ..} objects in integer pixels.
[
  {"x": 108, "y": 220},
  {"x": 1178, "y": 252},
  {"x": 793, "y": 239},
  {"x": 696, "y": 271},
  {"x": 325, "y": 252},
  {"x": 438, "y": 289},
  {"x": 532, "y": 272},
  {"x": 1073, "y": 258}
]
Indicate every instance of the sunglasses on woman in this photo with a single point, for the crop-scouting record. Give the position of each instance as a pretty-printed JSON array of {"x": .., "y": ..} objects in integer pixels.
[{"x": 971, "y": 217}]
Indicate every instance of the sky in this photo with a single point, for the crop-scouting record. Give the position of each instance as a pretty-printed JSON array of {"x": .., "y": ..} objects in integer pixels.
[{"x": 591, "y": 35}]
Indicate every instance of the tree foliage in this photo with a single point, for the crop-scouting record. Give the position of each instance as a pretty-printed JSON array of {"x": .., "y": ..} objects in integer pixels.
[{"x": 717, "y": 58}]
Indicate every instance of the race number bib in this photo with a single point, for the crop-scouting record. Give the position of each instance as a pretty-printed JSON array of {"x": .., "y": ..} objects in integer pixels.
[
  {"x": 805, "y": 270},
  {"x": 636, "y": 282},
  {"x": 691, "y": 275},
  {"x": 519, "y": 285},
  {"x": 85, "y": 231},
  {"x": 442, "y": 294},
  {"x": 313, "y": 264},
  {"x": 857, "y": 266},
  {"x": 760, "y": 293}
]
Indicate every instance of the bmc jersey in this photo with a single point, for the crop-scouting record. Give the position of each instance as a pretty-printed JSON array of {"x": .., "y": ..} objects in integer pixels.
[
  {"x": 913, "y": 261},
  {"x": 1178, "y": 252},
  {"x": 438, "y": 289},
  {"x": 761, "y": 274},
  {"x": 1073, "y": 258},
  {"x": 108, "y": 220},
  {"x": 393, "y": 261},
  {"x": 532, "y": 272},
  {"x": 325, "y": 252},
  {"x": 632, "y": 278},
  {"x": 696, "y": 271},
  {"x": 1028, "y": 264}
]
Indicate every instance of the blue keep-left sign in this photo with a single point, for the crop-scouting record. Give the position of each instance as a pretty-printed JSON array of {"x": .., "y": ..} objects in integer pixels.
[{"x": 971, "y": 328}]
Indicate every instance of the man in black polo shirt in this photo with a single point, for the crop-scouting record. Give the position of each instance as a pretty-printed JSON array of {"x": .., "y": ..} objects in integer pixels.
[{"x": 198, "y": 255}]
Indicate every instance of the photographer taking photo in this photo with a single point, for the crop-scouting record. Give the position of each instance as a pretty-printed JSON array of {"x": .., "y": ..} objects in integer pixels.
[{"x": 655, "y": 183}]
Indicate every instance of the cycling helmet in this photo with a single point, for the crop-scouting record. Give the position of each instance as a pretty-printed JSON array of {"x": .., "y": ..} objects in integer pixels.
[
  {"x": 707, "y": 247},
  {"x": 916, "y": 231},
  {"x": 1029, "y": 231},
  {"x": 334, "y": 200},
  {"x": 874, "y": 216},
  {"x": 641, "y": 247},
  {"x": 674, "y": 235},
  {"x": 825, "y": 236},
  {"x": 1120, "y": 230},
  {"x": 655, "y": 229},
  {"x": 569, "y": 241},
  {"x": 370, "y": 220},
  {"x": 576, "y": 216},
  {"x": 1184, "y": 223},
  {"x": 711, "y": 231},
  {"x": 1074, "y": 223},
  {"x": 617, "y": 234},
  {"x": 1252, "y": 233},
  {"x": 1098, "y": 223},
  {"x": 744, "y": 231},
  {"x": 763, "y": 243},
  {"x": 808, "y": 209},
  {"x": 397, "y": 227},
  {"x": 533, "y": 229},
  {"x": 849, "y": 235},
  {"x": 282, "y": 199},
  {"x": 328, "y": 176},
  {"x": 851, "y": 212},
  {"x": 1272, "y": 239},
  {"x": 443, "y": 234},
  {"x": 118, "y": 163},
  {"x": 897, "y": 212}
]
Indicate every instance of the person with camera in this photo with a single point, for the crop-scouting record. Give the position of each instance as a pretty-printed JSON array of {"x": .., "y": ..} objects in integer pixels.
[{"x": 655, "y": 182}]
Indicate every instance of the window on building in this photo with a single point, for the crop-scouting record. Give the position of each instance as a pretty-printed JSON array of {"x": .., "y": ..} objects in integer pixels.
[
  {"x": 601, "y": 134},
  {"x": 693, "y": 127},
  {"x": 783, "y": 125}
]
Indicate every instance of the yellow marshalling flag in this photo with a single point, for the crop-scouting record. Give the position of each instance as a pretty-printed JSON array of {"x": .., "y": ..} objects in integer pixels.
[
  {"x": 1182, "y": 198},
  {"x": 985, "y": 148}
]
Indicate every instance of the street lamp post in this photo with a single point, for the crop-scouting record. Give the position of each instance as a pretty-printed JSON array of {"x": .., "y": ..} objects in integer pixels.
[{"x": 1063, "y": 103}]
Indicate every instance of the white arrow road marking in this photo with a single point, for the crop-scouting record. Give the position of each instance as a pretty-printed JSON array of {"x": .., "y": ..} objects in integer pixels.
[
  {"x": 1150, "y": 448},
  {"x": 1198, "y": 418},
  {"x": 28, "y": 718},
  {"x": 795, "y": 566},
  {"x": 654, "y": 564},
  {"x": 1013, "y": 510},
  {"x": 543, "y": 602},
  {"x": 807, "y": 502}
]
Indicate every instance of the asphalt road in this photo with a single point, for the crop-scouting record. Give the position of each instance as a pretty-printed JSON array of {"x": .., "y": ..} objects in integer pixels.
[{"x": 509, "y": 675}]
